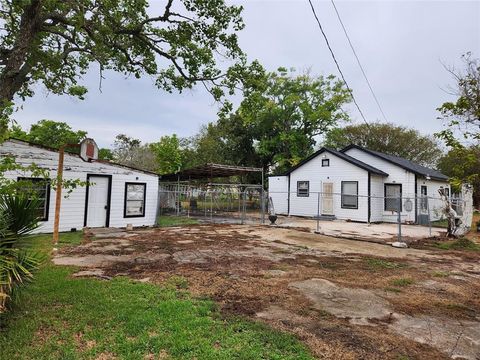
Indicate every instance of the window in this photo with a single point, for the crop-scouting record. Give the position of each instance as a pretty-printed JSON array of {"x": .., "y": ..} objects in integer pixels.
[
  {"x": 303, "y": 188},
  {"x": 38, "y": 189},
  {"x": 325, "y": 162},
  {"x": 349, "y": 194},
  {"x": 392, "y": 194},
  {"x": 135, "y": 194}
]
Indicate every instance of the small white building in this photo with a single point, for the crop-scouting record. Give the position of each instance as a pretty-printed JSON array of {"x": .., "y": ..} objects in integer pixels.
[
  {"x": 115, "y": 195},
  {"x": 360, "y": 185}
]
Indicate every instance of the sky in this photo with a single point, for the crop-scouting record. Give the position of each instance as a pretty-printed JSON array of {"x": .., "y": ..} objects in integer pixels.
[{"x": 402, "y": 46}]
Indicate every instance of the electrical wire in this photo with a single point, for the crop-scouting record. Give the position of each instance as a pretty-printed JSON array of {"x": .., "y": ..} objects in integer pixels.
[
  {"x": 338, "y": 66},
  {"x": 358, "y": 61}
]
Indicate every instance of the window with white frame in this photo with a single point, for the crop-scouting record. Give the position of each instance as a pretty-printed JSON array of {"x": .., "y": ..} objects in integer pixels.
[
  {"x": 135, "y": 194},
  {"x": 349, "y": 194},
  {"x": 38, "y": 189},
  {"x": 303, "y": 188},
  {"x": 393, "y": 192}
]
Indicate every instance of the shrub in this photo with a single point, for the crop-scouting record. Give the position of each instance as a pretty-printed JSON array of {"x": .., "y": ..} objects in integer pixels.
[{"x": 18, "y": 216}]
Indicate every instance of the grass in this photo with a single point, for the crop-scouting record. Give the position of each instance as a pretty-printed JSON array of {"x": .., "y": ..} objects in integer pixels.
[
  {"x": 459, "y": 244},
  {"x": 61, "y": 317},
  {"x": 165, "y": 221},
  {"x": 443, "y": 223},
  {"x": 379, "y": 264},
  {"x": 402, "y": 282}
]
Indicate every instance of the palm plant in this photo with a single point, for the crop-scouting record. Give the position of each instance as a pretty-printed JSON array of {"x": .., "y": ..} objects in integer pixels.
[{"x": 18, "y": 216}]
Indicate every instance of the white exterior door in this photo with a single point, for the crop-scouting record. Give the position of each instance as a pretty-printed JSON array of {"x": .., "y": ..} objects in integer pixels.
[
  {"x": 327, "y": 199},
  {"x": 97, "y": 208}
]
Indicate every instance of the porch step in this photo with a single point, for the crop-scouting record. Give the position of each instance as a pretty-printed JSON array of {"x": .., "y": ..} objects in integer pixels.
[{"x": 325, "y": 217}]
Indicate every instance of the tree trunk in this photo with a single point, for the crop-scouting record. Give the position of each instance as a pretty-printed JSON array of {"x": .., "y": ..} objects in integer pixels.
[{"x": 17, "y": 68}]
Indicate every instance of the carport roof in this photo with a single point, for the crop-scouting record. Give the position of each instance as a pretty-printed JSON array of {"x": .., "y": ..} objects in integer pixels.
[{"x": 209, "y": 171}]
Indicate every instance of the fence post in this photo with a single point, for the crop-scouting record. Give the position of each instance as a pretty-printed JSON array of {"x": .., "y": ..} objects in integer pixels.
[
  {"x": 263, "y": 205},
  {"x": 429, "y": 219},
  {"x": 211, "y": 206},
  {"x": 400, "y": 218},
  {"x": 318, "y": 213}
]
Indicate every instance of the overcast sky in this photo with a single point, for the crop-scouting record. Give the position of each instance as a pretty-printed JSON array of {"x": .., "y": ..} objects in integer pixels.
[{"x": 401, "y": 44}]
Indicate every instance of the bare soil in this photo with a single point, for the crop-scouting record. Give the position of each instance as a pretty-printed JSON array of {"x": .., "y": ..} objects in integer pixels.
[{"x": 345, "y": 299}]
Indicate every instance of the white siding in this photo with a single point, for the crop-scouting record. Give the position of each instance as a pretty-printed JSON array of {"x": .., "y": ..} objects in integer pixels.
[
  {"x": 338, "y": 171},
  {"x": 397, "y": 175},
  {"x": 434, "y": 201},
  {"x": 73, "y": 207},
  {"x": 278, "y": 191}
]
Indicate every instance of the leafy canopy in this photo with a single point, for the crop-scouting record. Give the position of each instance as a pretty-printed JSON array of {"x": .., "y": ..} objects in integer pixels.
[
  {"x": 55, "y": 42},
  {"x": 49, "y": 133},
  {"x": 283, "y": 114},
  {"x": 390, "y": 139},
  {"x": 462, "y": 116}
]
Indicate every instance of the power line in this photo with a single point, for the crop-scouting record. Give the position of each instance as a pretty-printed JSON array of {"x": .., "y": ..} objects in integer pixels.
[
  {"x": 358, "y": 61},
  {"x": 336, "y": 63}
]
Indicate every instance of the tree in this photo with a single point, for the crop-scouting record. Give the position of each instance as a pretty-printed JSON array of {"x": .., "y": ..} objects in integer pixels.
[
  {"x": 463, "y": 115},
  {"x": 55, "y": 42},
  {"x": 390, "y": 139},
  {"x": 105, "y": 154},
  {"x": 282, "y": 115},
  {"x": 463, "y": 164},
  {"x": 170, "y": 154},
  {"x": 131, "y": 152},
  {"x": 49, "y": 133}
]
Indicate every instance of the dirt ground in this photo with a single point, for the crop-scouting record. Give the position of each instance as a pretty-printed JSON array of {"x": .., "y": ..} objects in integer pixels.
[{"x": 345, "y": 299}]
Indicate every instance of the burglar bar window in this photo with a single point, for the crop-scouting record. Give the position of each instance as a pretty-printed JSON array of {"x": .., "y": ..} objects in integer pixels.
[
  {"x": 349, "y": 194},
  {"x": 303, "y": 188},
  {"x": 392, "y": 195},
  {"x": 135, "y": 194},
  {"x": 38, "y": 189}
]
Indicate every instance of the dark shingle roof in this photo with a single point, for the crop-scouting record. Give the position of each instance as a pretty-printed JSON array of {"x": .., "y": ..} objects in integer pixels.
[
  {"x": 403, "y": 163},
  {"x": 343, "y": 156}
]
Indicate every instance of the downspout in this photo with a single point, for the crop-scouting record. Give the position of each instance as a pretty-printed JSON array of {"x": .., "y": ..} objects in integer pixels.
[
  {"x": 288, "y": 198},
  {"x": 416, "y": 196},
  {"x": 369, "y": 194}
]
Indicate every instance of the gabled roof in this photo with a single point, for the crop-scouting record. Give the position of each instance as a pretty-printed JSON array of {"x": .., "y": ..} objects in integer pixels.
[
  {"x": 403, "y": 163},
  {"x": 106, "y": 162},
  {"x": 343, "y": 156}
]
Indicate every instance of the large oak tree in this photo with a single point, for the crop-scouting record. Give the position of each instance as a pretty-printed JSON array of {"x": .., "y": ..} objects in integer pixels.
[{"x": 55, "y": 42}]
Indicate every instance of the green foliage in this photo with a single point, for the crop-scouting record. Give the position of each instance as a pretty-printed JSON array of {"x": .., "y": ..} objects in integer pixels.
[
  {"x": 49, "y": 133},
  {"x": 17, "y": 264},
  {"x": 281, "y": 116},
  {"x": 169, "y": 153},
  {"x": 105, "y": 154},
  {"x": 459, "y": 244},
  {"x": 131, "y": 152},
  {"x": 462, "y": 164},
  {"x": 390, "y": 139},
  {"x": 379, "y": 264},
  {"x": 165, "y": 221},
  {"x": 130, "y": 320},
  {"x": 463, "y": 116},
  {"x": 22, "y": 212},
  {"x": 55, "y": 42}
]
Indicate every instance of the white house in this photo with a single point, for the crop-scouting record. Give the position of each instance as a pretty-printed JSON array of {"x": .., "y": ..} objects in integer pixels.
[
  {"x": 360, "y": 185},
  {"x": 115, "y": 195}
]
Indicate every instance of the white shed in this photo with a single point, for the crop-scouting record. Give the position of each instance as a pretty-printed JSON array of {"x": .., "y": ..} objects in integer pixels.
[{"x": 115, "y": 196}]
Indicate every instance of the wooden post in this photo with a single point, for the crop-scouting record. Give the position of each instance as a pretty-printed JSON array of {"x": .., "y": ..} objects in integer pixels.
[{"x": 58, "y": 197}]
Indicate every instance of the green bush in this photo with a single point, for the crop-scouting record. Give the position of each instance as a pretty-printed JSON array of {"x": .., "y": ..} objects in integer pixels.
[{"x": 19, "y": 216}]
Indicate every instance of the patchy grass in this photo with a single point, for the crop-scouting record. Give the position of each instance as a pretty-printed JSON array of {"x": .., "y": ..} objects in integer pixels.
[
  {"x": 441, "y": 274},
  {"x": 165, "y": 221},
  {"x": 61, "y": 317},
  {"x": 393, "y": 289},
  {"x": 402, "y": 282},
  {"x": 379, "y": 264},
  {"x": 443, "y": 223},
  {"x": 459, "y": 244}
]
